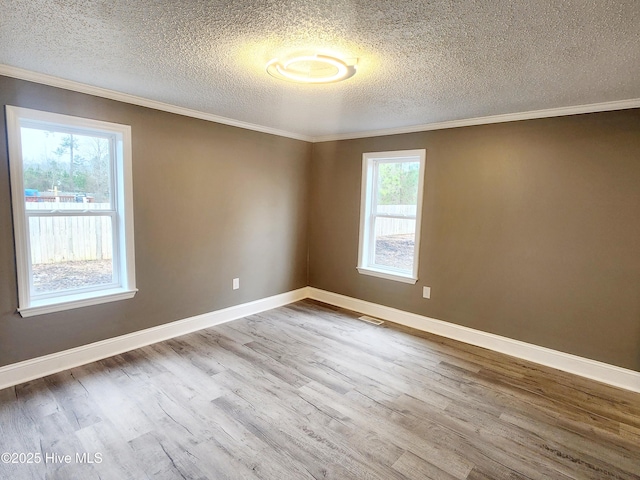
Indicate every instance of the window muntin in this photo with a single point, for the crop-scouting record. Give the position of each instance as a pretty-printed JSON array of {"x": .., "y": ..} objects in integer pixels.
[
  {"x": 73, "y": 216},
  {"x": 391, "y": 203}
]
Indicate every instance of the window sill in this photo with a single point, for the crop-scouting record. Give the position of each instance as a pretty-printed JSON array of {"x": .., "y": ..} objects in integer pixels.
[
  {"x": 388, "y": 275},
  {"x": 51, "y": 305}
]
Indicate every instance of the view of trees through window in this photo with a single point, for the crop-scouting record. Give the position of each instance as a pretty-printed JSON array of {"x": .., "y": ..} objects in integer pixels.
[
  {"x": 397, "y": 197},
  {"x": 64, "y": 172},
  {"x": 64, "y": 162},
  {"x": 398, "y": 183},
  {"x": 71, "y": 192}
]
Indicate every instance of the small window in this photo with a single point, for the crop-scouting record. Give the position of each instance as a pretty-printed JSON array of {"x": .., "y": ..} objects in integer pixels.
[
  {"x": 390, "y": 214},
  {"x": 72, "y": 209}
]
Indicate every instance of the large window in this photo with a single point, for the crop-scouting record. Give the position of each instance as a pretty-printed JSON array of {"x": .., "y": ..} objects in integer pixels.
[
  {"x": 390, "y": 214},
  {"x": 73, "y": 216}
]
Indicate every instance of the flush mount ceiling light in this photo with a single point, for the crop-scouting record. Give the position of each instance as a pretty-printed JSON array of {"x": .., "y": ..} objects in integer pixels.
[{"x": 311, "y": 69}]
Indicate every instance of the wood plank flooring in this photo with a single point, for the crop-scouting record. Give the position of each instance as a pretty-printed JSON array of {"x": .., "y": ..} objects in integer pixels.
[{"x": 308, "y": 391}]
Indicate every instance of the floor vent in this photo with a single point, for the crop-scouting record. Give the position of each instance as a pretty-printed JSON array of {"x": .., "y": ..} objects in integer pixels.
[{"x": 373, "y": 321}]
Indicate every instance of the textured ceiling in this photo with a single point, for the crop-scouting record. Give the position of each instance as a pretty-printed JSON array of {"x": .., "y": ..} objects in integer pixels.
[{"x": 419, "y": 62}]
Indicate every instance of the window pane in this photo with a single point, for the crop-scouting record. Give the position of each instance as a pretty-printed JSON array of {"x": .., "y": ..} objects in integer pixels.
[
  {"x": 70, "y": 252},
  {"x": 397, "y": 184},
  {"x": 395, "y": 243},
  {"x": 65, "y": 171}
]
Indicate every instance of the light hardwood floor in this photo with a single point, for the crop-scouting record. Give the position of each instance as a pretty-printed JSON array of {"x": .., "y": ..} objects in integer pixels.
[{"x": 308, "y": 391}]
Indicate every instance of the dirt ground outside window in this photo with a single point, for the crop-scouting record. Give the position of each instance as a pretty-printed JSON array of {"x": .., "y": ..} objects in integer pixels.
[{"x": 53, "y": 277}]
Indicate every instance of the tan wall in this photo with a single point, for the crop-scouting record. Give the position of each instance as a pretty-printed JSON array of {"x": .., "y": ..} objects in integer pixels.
[
  {"x": 530, "y": 230},
  {"x": 211, "y": 202}
]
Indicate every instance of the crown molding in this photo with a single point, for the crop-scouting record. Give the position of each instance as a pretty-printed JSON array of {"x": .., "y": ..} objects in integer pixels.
[
  {"x": 58, "y": 82},
  {"x": 507, "y": 117}
]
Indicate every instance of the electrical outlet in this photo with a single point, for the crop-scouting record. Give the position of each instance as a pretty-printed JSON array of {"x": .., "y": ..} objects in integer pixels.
[
  {"x": 236, "y": 283},
  {"x": 426, "y": 292}
]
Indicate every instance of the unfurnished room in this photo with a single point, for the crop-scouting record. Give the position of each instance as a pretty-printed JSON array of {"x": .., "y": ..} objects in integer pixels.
[{"x": 288, "y": 240}]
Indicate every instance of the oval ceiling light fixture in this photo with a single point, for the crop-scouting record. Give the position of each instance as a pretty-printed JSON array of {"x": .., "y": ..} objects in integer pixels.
[{"x": 314, "y": 68}]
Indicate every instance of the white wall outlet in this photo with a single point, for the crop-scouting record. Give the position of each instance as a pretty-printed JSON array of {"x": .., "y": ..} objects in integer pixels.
[
  {"x": 426, "y": 292},
  {"x": 236, "y": 283}
]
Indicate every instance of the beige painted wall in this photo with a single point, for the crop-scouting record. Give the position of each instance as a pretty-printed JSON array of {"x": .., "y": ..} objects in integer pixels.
[
  {"x": 531, "y": 230},
  {"x": 211, "y": 202}
]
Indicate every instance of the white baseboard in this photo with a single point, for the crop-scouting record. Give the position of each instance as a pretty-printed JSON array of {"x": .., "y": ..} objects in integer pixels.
[
  {"x": 21, "y": 372},
  {"x": 602, "y": 372}
]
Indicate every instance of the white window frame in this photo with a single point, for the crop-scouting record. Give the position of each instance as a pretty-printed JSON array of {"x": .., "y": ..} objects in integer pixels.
[
  {"x": 124, "y": 284},
  {"x": 368, "y": 207}
]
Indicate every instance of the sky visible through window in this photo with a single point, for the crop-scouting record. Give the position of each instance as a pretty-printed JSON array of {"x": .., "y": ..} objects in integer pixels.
[
  {"x": 66, "y": 162},
  {"x": 397, "y": 192},
  {"x": 72, "y": 170}
]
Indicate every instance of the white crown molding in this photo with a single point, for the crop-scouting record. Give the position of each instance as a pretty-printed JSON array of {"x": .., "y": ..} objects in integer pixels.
[
  {"x": 584, "y": 367},
  {"x": 52, "y": 81},
  {"x": 27, "y": 370},
  {"x": 507, "y": 117}
]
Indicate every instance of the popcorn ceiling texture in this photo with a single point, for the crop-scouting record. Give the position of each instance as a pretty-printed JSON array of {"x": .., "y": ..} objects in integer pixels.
[{"x": 418, "y": 61}]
